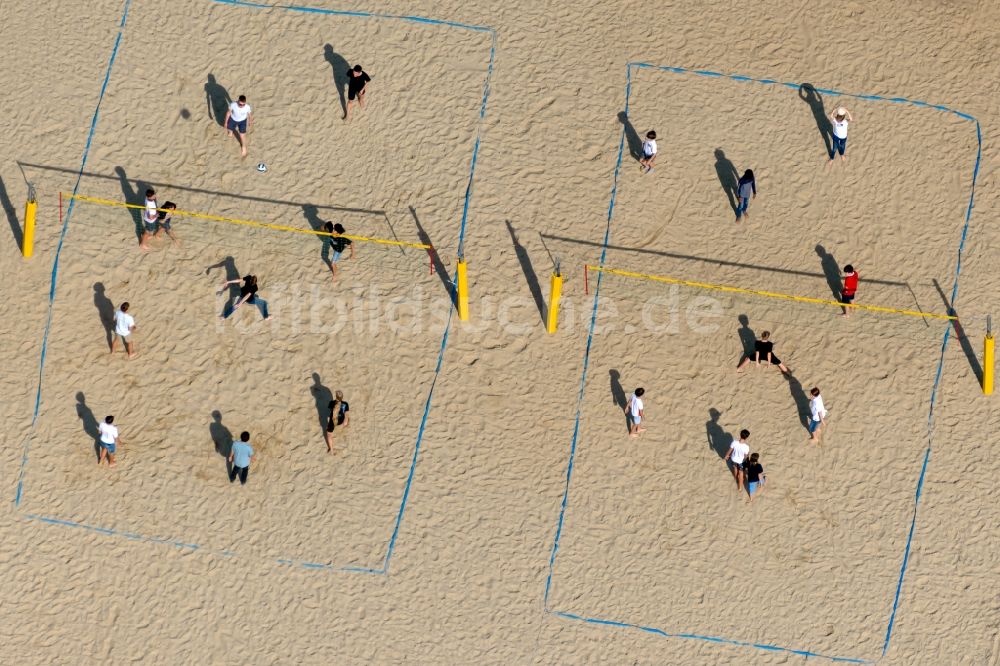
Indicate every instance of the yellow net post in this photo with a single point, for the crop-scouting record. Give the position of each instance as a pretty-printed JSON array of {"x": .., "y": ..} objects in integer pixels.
[
  {"x": 28, "y": 239},
  {"x": 463, "y": 291},
  {"x": 988, "y": 359},
  {"x": 555, "y": 292}
]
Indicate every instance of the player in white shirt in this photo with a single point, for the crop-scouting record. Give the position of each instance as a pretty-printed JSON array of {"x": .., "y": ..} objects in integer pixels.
[
  {"x": 817, "y": 414},
  {"x": 149, "y": 216},
  {"x": 124, "y": 326},
  {"x": 737, "y": 453},
  {"x": 649, "y": 151},
  {"x": 109, "y": 441},
  {"x": 841, "y": 118},
  {"x": 239, "y": 119},
  {"x": 634, "y": 410}
]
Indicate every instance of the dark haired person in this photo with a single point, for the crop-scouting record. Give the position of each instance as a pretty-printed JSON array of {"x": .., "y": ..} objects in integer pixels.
[
  {"x": 339, "y": 417},
  {"x": 109, "y": 441},
  {"x": 240, "y": 456},
  {"x": 849, "y": 291},
  {"x": 649, "y": 151},
  {"x": 124, "y": 327},
  {"x": 763, "y": 351},
  {"x": 817, "y": 414},
  {"x": 746, "y": 189},
  {"x": 737, "y": 453},
  {"x": 755, "y": 475},
  {"x": 239, "y": 119},
  {"x": 636, "y": 412},
  {"x": 357, "y": 86},
  {"x": 337, "y": 243},
  {"x": 165, "y": 219},
  {"x": 248, "y": 292},
  {"x": 148, "y": 219}
]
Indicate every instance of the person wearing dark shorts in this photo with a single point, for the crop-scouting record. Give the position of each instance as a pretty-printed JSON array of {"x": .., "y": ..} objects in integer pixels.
[
  {"x": 248, "y": 292},
  {"x": 357, "y": 86},
  {"x": 240, "y": 456},
  {"x": 339, "y": 417},
  {"x": 239, "y": 119},
  {"x": 164, "y": 215},
  {"x": 763, "y": 352},
  {"x": 850, "y": 289}
]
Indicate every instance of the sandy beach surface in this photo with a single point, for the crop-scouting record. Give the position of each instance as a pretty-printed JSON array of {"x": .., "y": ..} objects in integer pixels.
[{"x": 485, "y": 503}]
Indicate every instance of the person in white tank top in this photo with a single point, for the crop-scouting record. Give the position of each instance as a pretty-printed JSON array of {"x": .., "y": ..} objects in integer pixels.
[{"x": 841, "y": 118}]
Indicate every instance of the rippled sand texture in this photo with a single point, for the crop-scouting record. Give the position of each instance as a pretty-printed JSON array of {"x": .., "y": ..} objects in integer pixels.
[{"x": 654, "y": 532}]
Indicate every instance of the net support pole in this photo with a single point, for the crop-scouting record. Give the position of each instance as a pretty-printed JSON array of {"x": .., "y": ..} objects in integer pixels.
[
  {"x": 463, "y": 290},
  {"x": 988, "y": 359},
  {"x": 586, "y": 278},
  {"x": 28, "y": 238},
  {"x": 555, "y": 292}
]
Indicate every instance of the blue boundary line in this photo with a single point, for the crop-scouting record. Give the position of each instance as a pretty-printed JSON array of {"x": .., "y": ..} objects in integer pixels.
[
  {"x": 590, "y": 335},
  {"x": 384, "y": 570},
  {"x": 62, "y": 237}
]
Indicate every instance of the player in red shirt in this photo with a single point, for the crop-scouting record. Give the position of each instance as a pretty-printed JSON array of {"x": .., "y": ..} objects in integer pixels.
[{"x": 850, "y": 288}]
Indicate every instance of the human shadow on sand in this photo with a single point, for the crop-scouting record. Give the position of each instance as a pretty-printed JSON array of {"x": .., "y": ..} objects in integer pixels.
[
  {"x": 90, "y": 425},
  {"x": 718, "y": 439},
  {"x": 747, "y": 337},
  {"x": 811, "y": 96},
  {"x": 323, "y": 396},
  {"x": 221, "y": 436},
  {"x": 728, "y": 177},
  {"x": 228, "y": 265},
  {"x": 217, "y": 99},
  {"x": 618, "y": 395},
  {"x": 799, "y": 397},
  {"x": 632, "y": 139},
  {"x": 105, "y": 311},
  {"x": 830, "y": 270},
  {"x": 340, "y": 67},
  {"x": 134, "y": 197}
]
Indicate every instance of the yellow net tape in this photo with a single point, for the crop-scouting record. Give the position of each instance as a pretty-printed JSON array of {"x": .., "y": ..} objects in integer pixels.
[
  {"x": 249, "y": 223},
  {"x": 768, "y": 294}
]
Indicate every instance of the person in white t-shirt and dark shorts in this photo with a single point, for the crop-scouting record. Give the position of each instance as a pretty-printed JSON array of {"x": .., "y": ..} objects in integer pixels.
[
  {"x": 841, "y": 118},
  {"x": 635, "y": 411},
  {"x": 736, "y": 455},
  {"x": 239, "y": 119},
  {"x": 124, "y": 326},
  {"x": 649, "y": 151}
]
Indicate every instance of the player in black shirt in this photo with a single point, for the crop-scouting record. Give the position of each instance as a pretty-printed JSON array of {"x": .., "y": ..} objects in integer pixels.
[
  {"x": 335, "y": 246},
  {"x": 357, "y": 86},
  {"x": 763, "y": 352}
]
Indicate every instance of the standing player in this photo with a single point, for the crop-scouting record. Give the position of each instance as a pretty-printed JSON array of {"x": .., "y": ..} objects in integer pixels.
[
  {"x": 737, "y": 453},
  {"x": 239, "y": 118},
  {"x": 149, "y": 218},
  {"x": 649, "y": 151},
  {"x": 336, "y": 243},
  {"x": 124, "y": 327},
  {"x": 841, "y": 118},
  {"x": 109, "y": 441},
  {"x": 636, "y": 412},
  {"x": 357, "y": 86},
  {"x": 850, "y": 289}
]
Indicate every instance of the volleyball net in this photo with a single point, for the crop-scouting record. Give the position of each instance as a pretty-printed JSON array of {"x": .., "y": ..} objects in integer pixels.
[
  {"x": 624, "y": 287},
  {"x": 226, "y": 231}
]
